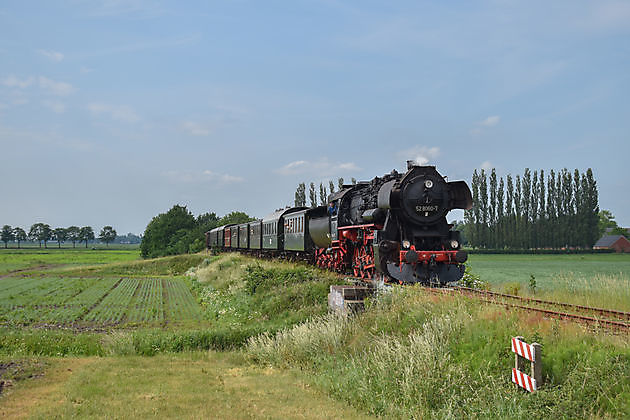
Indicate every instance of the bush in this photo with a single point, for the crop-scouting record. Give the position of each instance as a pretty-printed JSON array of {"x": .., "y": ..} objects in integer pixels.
[{"x": 512, "y": 288}]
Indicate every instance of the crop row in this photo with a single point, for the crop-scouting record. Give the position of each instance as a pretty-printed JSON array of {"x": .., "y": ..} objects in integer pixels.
[
  {"x": 22, "y": 291},
  {"x": 148, "y": 305},
  {"x": 96, "y": 301},
  {"x": 181, "y": 304},
  {"x": 113, "y": 308},
  {"x": 51, "y": 300}
]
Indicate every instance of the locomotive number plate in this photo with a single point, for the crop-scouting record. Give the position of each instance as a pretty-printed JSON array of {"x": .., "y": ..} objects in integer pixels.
[{"x": 421, "y": 209}]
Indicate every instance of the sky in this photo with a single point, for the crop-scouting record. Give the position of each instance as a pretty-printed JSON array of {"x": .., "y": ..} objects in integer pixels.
[{"x": 113, "y": 111}]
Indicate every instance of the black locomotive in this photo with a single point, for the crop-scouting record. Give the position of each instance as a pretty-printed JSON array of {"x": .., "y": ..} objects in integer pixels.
[{"x": 392, "y": 228}]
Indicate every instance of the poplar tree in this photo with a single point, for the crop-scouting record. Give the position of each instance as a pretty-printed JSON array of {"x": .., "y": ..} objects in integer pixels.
[
  {"x": 559, "y": 211},
  {"x": 577, "y": 228},
  {"x": 323, "y": 197},
  {"x": 474, "y": 237},
  {"x": 534, "y": 212},
  {"x": 331, "y": 187},
  {"x": 483, "y": 204},
  {"x": 300, "y": 195},
  {"x": 526, "y": 207},
  {"x": 493, "y": 209},
  {"x": 518, "y": 239},
  {"x": 312, "y": 195},
  {"x": 509, "y": 211},
  {"x": 340, "y": 183},
  {"x": 542, "y": 231},
  {"x": 567, "y": 207},
  {"x": 591, "y": 208},
  {"x": 531, "y": 214},
  {"x": 500, "y": 217}
]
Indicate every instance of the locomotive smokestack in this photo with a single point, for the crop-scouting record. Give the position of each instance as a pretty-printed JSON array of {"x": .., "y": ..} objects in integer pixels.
[{"x": 411, "y": 164}]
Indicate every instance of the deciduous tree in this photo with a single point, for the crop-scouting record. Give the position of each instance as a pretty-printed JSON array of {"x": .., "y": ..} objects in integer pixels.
[
  {"x": 107, "y": 235},
  {"x": 20, "y": 235},
  {"x": 60, "y": 235},
  {"x": 73, "y": 233},
  {"x": 86, "y": 233},
  {"x": 7, "y": 235}
]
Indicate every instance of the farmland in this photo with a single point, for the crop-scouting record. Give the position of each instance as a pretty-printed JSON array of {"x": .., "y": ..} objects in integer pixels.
[
  {"x": 95, "y": 302},
  {"x": 12, "y": 260}
]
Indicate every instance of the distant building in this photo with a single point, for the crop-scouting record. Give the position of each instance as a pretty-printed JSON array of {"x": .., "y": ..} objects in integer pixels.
[{"x": 617, "y": 242}]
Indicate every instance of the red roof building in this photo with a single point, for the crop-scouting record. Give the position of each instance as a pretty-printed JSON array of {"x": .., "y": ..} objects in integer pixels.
[{"x": 617, "y": 242}]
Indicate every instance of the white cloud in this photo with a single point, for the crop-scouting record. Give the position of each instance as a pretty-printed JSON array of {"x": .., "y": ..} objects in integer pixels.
[
  {"x": 14, "y": 82},
  {"x": 51, "y": 55},
  {"x": 55, "y": 106},
  {"x": 349, "y": 166},
  {"x": 196, "y": 129},
  {"x": 322, "y": 167},
  {"x": 123, "y": 113},
  {"x": 490, "y": 121},
  {"x": 487, "y": 165},
  {"x": 420, "y": 154},
  {"x": 56, "y": 88},
  {"x": 206, "y": 176}
]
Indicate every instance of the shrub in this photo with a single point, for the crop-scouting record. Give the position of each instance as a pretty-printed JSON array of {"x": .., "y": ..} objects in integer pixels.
[{"x": 512, "y": 288}]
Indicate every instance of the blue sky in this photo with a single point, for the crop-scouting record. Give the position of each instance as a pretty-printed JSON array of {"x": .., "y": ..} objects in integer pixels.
[{"x": 113, "y": 111}]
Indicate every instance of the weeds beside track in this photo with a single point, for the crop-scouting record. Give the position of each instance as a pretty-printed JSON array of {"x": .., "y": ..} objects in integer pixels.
[{"x": 591, "y": 316}]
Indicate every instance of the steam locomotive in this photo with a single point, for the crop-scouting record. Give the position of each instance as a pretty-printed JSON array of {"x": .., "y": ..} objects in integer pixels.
[{"x": 391, "y": 229}]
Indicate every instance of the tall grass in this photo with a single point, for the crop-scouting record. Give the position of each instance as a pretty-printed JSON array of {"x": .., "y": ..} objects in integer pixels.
[
  {"x": 413, "y": 355},
  {"x": 303, "y": 343},
  {"x": 602, "y": 290}
]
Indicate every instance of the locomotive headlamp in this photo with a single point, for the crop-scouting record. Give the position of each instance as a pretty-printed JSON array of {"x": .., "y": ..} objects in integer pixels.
[
  {"x": 428, "y": 183},
  {"x": 406, "y": 244},
  {"x": 454, "y": 244}
]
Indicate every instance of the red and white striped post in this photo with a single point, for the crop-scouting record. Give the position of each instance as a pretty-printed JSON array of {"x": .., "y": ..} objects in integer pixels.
[{"x": 533, "y": 353}]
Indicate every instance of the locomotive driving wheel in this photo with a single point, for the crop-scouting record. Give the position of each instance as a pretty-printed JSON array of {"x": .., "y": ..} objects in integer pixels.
[{"x": 363, "y": 260}]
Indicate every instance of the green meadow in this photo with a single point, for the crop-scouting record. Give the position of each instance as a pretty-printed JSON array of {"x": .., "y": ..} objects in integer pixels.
[{"x": 601, "y": 280}]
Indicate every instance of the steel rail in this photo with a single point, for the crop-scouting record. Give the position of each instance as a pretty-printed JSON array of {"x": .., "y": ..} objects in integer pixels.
[
  {"x": 607, "y": 312},
  {"x": 617, "y": 325}
]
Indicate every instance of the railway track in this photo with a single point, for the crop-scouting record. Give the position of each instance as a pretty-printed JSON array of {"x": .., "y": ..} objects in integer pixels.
[{"x": 587, "y": 315}]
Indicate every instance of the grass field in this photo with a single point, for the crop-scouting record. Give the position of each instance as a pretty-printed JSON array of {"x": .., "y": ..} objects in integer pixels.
[
  {"x": 12, "y": 260},
  {"x": 589, "y": 279},
  {"x": 188, "y": 385},
  {"x": 77, "y": 327}
]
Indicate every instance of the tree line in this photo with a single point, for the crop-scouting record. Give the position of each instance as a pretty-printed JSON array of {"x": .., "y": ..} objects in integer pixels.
[
  {"x": 178, "y": 231},
  {"x": 43, "y": 233},
  {"x": 300, "y": 193},
  {"x": 533, "y": 210}
]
